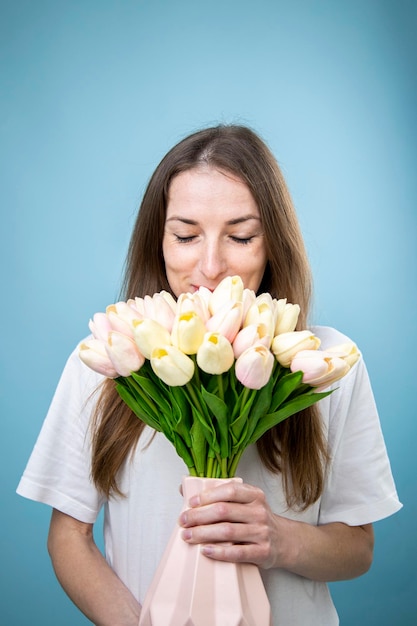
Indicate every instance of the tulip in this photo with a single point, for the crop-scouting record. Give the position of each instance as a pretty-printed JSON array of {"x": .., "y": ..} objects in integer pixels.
[
  {"x": 203, "y": 295},
  {"x": 262, "y": 312},
  {"x": 169, "y": 299},
  {"x": 160, "y": 308},
  {"x": 230, "y": 288},
  {"x": 124, "y": 354},
  {"x": 347, "y": 351},
  {"x": 100, "y": 326},
  {"x": 93, "y": 353},
  {"x": 248, "y": 298},
  {"x": 286, "y": 345},
  {"x": 172, "y": 366},
  {"x": 149, "y": 335},
  {"x": 286, "y": 316},
  {"x": 121, "y": 317},
  {"x": 226, "y": 320},
  {"x": 187, "y": 332},
  {"x": 254, "y": 367},
  {"x": 249, "y": 336},
  {"x": 215, "y": 355},
  {"x": 320, "y": 368},
  {"x": 195, "y": 303}
]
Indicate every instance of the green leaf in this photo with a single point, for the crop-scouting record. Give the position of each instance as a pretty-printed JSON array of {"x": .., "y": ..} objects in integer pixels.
[
  {"x": 137, "y": 408},
  {"x": 221, "y": 412},
  {"x": 290, "y": 408},
  {"x": 285, "y": 386},
  {"x": 155, "y": 392},
  {"x": 181, "y": 414},
  {"x": 199, "y": 447}
]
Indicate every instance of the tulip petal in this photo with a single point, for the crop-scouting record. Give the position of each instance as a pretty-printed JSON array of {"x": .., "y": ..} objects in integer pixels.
[{"x": 93, "y": 354}]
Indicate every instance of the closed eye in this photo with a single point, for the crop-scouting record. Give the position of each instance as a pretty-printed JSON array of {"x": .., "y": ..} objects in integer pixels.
[
  {"x": 242, "y": 240},
  {"x": 184, "y": 239}
]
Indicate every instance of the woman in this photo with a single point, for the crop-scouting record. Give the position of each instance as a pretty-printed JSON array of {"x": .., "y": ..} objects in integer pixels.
[{"x": 216, "y": 206}]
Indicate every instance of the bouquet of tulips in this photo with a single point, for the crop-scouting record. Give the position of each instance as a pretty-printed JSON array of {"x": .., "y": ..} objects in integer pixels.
[{"x": 213, "y": 371}]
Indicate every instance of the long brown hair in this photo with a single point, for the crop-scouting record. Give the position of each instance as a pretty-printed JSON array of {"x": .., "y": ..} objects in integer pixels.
[{"x": 296, "y": 447}]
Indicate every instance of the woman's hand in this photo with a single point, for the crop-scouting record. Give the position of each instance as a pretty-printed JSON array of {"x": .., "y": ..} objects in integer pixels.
[{"x": 234, "y": 522}]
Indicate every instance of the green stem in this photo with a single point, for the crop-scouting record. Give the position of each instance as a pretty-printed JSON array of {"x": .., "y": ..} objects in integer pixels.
[
  {"x": 132, "y": 385},
  {"x": 220, "y": 386},
  {"x": 234, "y": 462}
]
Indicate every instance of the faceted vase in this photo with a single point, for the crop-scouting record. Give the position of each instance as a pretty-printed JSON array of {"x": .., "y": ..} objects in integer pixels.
[{"x": 190, "y": 589}]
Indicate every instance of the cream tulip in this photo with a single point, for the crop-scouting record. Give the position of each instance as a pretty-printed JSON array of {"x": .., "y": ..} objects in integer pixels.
[
  {"x": 194, "y": 302},
  {"x": 262, "y": 312},
  {"x": 254, "y": 367},
  {"x": 286, "y": 345},
  {"x": 347, "y": 351},
  {"x": 187, "y": 332},
  {"x": 172, "y": 366},
  {"x": 215, "y": 355},
  {"x": 286, "y": 316},
  {"x": 229, "y": 289},
  {"x": 149, "y": 335}
]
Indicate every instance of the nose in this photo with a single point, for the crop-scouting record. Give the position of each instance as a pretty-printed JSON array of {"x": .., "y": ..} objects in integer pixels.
[{"x": 213, "y": 261}]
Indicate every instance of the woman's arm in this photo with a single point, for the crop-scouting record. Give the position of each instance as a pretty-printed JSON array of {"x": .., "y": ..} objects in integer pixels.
[
  {"x": 239, "y": 515},
  {"x": 85, "y": 575}
]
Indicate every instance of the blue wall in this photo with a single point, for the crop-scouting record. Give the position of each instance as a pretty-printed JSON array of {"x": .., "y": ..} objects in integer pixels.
[{"x": 93, "y": 94}]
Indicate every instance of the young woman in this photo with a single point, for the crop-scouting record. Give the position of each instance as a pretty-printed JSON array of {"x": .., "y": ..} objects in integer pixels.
[{"x": 216, "y": 206}]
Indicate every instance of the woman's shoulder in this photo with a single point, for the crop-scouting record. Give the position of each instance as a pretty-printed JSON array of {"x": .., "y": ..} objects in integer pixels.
[{"x": 329, "y": 336}]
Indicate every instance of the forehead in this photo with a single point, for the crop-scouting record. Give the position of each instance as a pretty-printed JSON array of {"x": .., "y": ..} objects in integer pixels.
[{"x": 209, "y": 188}]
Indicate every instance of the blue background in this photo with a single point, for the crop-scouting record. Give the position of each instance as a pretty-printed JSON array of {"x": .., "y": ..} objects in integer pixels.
[{"x": 94, "y": 93}]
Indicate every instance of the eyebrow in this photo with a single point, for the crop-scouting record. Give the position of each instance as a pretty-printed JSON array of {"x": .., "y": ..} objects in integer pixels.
[{"x": 236, "y": 220}]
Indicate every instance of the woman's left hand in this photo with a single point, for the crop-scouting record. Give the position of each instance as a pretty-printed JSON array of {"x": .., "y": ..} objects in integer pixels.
[{"x": 234, "y": 523}]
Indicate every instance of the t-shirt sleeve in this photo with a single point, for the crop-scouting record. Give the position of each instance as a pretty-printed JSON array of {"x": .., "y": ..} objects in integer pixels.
[
  {"x": 360, "y": 488},
  {"x": 59, "y": 468}
]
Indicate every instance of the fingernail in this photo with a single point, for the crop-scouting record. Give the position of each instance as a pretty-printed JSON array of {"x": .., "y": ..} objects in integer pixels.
[
  {"x": 186, "y": 534},
  {"x": 194, "y": 501},
  {"x": 207, "y": 550},
  {"x": 183, "y": 519}
]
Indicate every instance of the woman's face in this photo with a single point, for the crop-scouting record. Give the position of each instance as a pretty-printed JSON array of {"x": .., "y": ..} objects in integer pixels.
[{"x": 212, "y": 230}]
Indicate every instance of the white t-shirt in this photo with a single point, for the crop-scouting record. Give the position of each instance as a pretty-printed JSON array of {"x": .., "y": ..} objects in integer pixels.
[{"x": 359, "y": 487}]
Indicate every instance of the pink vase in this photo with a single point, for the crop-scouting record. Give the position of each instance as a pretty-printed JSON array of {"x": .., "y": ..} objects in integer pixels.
[{"x": 190, "y": 589}]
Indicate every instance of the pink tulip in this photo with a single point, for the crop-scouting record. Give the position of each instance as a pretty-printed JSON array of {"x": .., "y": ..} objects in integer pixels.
[
  {"x": 248, "y": 299},
  {"x": 320, "y": 368},
  {"x": 100, "y": 326},
  {"x": 158, "y": 308},
  {"x": 124, "y": 354},
  {"x": 249, "y": 336},
  {"x": 226, "y": 320},
  {"x": 254, "y": 367},
  {"x": 93, "y": 353}
]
